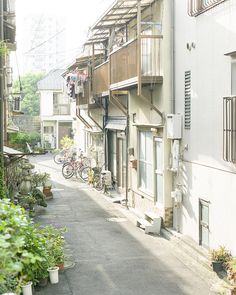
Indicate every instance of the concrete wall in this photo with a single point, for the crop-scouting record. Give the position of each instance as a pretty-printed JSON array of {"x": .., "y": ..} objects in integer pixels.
[
  {"x": 46, "y": 103},
  {"x": 204, "y": 174}
]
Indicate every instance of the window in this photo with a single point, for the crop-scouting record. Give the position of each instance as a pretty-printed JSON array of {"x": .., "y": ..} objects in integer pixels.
[
  {"x": 48, "y": 129},
  {"x": 187, "y": 100},
  {"x": 233, "y": 76},
  {"x": 145, "y": 161},
  {"x": 229, "y": 129},
  {"x": 196, "y": 7},
  {"x": 203, "y": 223}
]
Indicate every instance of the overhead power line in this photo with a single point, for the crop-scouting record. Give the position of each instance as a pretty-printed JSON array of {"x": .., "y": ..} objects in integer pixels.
[{"x": 39, "y": 45}]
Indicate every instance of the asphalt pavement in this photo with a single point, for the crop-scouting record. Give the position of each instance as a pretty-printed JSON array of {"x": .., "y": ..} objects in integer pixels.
[{"x": 106, "y": 253}]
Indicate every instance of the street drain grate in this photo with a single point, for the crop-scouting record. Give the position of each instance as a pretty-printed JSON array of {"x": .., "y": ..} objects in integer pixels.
[{"x": 116, "y": 219}]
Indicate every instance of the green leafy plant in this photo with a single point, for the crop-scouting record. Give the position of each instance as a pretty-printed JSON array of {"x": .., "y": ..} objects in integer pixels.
[
  {"x": 55, "y": 243},
  {"x": 26, "y": 250},
  {"x": 220, "y": 254},
  {"x": 66, "y": 142}
]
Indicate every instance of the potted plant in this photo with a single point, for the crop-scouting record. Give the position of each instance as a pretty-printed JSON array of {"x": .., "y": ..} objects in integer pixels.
[
  {"x": 47, "y": 185},
  {"x": 219, "y": 258},
  {"x": 55, "y": 244},
  {"x": 53, "y": 274}
]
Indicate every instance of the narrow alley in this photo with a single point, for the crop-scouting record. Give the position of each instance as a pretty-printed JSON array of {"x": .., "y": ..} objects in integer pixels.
[{"x": 108, "y": 254}]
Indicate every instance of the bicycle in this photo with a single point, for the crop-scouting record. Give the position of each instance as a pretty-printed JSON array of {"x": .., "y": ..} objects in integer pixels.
[
  {"x": 61, "y": 157},
  {"x": 72, "y": 167}
]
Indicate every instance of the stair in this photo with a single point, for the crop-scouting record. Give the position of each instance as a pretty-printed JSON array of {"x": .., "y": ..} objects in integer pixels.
[{"x": 151, "y": 223}]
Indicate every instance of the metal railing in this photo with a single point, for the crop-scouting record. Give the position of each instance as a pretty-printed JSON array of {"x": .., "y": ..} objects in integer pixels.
[{"x": 229, "y": 129}]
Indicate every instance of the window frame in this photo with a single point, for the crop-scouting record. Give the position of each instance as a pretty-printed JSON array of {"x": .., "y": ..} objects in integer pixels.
[
  {"x": 197, "y": 7},
  {"x": 147, "y": 190}
]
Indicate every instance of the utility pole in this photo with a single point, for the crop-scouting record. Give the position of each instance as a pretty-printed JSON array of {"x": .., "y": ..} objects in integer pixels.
[{"x": 1, "y": 80}]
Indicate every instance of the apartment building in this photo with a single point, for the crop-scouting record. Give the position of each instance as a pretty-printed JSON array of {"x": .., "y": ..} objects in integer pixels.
[
  {"x": 205, "y": 85},
  {"x": 128, "y": 94}
]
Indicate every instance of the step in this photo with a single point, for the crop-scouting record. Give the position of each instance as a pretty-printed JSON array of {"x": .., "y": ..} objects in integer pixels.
[{"x": 149, "y": 227}]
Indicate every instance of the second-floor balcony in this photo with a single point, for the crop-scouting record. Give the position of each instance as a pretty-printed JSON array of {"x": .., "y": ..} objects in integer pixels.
[
  {"x": 100, "y": 79},
  {"x": 136, "y": 61}
]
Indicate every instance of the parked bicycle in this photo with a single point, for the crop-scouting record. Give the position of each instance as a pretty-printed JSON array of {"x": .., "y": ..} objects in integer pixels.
[{"x": 74, "y": 167}]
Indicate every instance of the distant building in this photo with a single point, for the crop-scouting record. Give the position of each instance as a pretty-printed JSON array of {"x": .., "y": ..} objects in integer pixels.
[
  {"x": 56, "y": 112},
  {"x": 43, "y": 43}
]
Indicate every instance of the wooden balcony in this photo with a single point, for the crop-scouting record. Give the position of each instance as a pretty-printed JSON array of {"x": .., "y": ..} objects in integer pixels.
[
  {"x": 100, "y": 80},
  {"x": 124, "y": 63}
]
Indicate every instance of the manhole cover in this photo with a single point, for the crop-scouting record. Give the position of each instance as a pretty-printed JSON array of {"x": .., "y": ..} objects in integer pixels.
[{"x": 116, "y": 219}]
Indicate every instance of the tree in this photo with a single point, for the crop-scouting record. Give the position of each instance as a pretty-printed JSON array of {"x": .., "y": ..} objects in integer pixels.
[{"x": 30, "y": 102}]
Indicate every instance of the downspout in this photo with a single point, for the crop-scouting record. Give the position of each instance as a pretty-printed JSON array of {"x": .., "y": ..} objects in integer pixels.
[
  {"x": 127, "y": 155},
  {"x": 82, "y": 119}
]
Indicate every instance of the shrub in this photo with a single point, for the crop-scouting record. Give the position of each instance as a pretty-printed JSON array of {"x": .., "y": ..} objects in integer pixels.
[{"x": 220, "y": 254}]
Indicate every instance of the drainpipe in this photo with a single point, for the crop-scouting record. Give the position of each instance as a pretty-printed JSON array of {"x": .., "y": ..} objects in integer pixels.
[
  {"x": 173, "y": 55},
  {"x": 127, "y": 155}
]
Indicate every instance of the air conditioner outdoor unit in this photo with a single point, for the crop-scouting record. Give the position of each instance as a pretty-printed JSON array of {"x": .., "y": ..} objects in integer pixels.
[{"x": 106, "y": 174}]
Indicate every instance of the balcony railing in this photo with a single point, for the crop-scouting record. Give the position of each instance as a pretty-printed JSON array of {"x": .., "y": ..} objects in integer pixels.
[
  {"x": 124, "y": 62},
  {"x": 100, "y": 79}
]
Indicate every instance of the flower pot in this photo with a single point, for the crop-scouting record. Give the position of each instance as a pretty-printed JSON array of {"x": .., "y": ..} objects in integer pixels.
[
  {"x": 27, "y": 289},
  {"x": 53, "y": 274},
  {"x": 217, "y": 266},
  {"x": 9, "y": 294},
  {"x": 61, "y": 266}
]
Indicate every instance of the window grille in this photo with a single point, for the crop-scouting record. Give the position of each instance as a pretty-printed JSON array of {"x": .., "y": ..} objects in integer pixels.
[
  {"x": 196, "y": 7},
  {"x": 229, "y": 129},
  {"x": 187, "y": 100}
]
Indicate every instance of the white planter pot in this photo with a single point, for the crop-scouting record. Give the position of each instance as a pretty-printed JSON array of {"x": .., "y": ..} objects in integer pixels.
[
  {"x": 53, "y": 274},
  {"x": 9, "y": 294},
  {"x": 27, "y": 289}
]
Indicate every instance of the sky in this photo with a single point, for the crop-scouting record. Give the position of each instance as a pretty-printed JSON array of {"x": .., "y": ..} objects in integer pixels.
[{"x": 78, "y": 16}]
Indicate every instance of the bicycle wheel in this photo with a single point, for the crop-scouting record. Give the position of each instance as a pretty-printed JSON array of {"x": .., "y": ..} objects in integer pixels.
[
  {"x": 84, "y": 173},
  {"x": 85, "y": 161},
  {"x": 58, "y": 158},
  {"x": 68, "y": 171},
  {"x": 98, "y": 183}
]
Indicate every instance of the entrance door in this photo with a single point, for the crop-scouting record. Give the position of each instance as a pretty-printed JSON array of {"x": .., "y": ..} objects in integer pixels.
[{"x": 159, "y": 167}]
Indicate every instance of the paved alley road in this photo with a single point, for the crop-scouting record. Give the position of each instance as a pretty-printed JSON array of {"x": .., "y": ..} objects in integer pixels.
[{"x": 111, "y": 255}]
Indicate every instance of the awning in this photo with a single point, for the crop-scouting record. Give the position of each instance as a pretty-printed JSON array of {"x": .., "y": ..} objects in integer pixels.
[
  {"x": 117, "y": 16},
  {"x": 116, "y": 123}
]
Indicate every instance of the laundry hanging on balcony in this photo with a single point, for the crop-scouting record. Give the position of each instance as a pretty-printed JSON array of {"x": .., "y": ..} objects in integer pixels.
[{"x": 75, "y": 83}]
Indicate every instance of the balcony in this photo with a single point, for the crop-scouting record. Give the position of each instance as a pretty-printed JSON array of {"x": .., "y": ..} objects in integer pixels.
[
  {"x": 100, "y": 80},
  {"x": 124, "y": 63}
]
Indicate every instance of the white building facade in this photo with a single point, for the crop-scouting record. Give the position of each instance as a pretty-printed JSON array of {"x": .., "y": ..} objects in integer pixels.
[
  {"x": 205, "y": 84},
  {"x": 57, "y": 112}
]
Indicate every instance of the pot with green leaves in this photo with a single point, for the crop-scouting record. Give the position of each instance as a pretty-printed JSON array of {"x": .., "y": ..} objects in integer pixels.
[
  {"x": 53, "y": 274},
  {"x": 27, "y": 288},
  {"x": 219, "y": 258}
]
